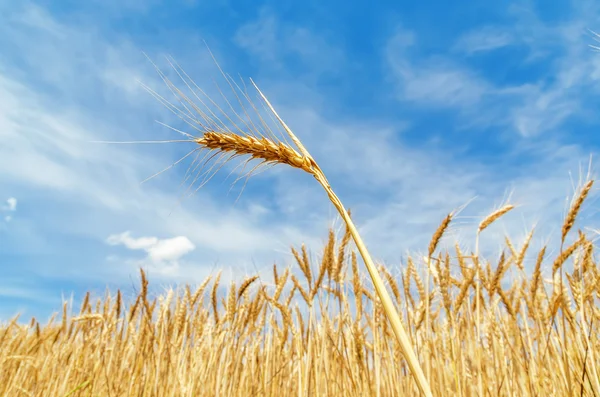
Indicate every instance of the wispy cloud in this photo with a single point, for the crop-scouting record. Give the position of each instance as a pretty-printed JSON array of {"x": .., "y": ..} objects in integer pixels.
[
  {"x": 281, "y": 45},
  {"x": 437, "y": 81},
  {"x": 549, "y": 85},
  {"x": 488, "y": 38}
]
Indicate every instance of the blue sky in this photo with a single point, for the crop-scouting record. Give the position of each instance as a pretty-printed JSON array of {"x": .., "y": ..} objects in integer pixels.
[{"x": 412, "y": 110}]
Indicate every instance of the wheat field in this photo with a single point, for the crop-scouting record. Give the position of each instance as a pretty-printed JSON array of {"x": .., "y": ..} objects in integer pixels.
[
  {"x": 447, "y": 324},
  {"x": 321, "y": 331}
]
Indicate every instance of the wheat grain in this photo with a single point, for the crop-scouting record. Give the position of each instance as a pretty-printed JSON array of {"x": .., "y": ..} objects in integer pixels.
[
  {"x": 256, "y": 148},
  {"x": 214, "y": 298},
  {"x": 491, "y": 218},
  {"x": 521, "y": 256},
  {"x": 339, "y": 268},
  {"x": 303, "y": 264},
  {"x": 199, "y": 292},
  {"x": 245, "y": 285},
  {"x": 574, "y": 210},
  {"x": 560, "y": 259},
  {"x": 437, "y": 236}
]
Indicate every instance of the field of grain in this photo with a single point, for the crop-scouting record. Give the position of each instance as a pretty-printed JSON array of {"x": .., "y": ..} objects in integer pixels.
[{"x": 448, "y": 325}]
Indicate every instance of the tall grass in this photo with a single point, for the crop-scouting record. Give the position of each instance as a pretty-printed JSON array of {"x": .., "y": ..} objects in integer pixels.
[{"x": 323, "y": 330}]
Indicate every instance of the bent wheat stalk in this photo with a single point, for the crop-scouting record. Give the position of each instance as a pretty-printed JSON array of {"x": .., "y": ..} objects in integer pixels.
[
  {"x": 218, "y": 139},
  {"x": 386, "y": 300}
]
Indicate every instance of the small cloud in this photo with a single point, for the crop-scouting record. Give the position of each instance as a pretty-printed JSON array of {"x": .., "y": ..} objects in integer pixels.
[
  {"x": 164, "y": 254},
  {"x": 11, "y": 205}
]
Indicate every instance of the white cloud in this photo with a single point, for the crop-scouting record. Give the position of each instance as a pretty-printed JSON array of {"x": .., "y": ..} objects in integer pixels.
[
  {"x": 11, "y": 204},
  {"x": 164, "y": 254},
  {"x": 170, "y": 249}
]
